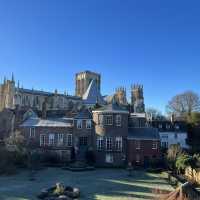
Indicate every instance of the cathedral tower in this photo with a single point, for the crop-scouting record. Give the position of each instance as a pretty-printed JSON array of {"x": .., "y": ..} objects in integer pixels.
[
  {"x": 7, "y": 92},
  {"x": 137, "y": 98},
  {"x": 120, "y": 96},
  {"x": 83, "y": 79}
]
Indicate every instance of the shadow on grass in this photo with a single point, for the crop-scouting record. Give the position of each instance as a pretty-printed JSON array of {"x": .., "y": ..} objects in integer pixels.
[
  {"x": 126, "y": 188},
  {"x": 102, "y": 184}
]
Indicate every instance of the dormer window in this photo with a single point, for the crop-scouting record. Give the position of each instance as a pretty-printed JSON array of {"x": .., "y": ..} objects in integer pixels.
[
  {"x": 88, "y": 124},
  {"x": 160, "y": 126},
  {"x": 79, "y": 124},
  {"x": 168, "y": 126},
  {"x": 177, "y": 127}
]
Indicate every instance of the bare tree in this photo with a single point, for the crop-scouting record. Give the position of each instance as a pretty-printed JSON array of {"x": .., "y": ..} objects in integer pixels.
[{"x": 184, "y": 104}]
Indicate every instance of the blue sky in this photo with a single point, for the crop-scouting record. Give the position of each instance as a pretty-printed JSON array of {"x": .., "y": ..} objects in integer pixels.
[{"x": 155, "y": 43}]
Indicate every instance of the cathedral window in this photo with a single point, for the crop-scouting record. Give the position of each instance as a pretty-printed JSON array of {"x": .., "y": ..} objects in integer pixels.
[
  {"x": 32, "y": 132},
  {"x": 108, "y": 120},
  {"x": 100, "y": 143},
  {"x": 88, "y": 124},
  {"x": 118, "y": 143},
  {"x": 118, "y": 120},
  {"x": 37, "y": 100},
  {"x": 108, "y": 143},
  {"x": 79, "y": 124}
]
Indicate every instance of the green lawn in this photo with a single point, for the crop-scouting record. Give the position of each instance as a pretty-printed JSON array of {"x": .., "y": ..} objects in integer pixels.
[{"x": 101, "y": 184}]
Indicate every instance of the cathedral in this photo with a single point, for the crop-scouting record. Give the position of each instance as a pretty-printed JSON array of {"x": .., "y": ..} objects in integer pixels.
[{"x": 87, "y": 93}]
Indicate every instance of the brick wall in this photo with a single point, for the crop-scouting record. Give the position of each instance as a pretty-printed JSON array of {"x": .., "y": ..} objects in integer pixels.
[{"x": 146, "y": 152}]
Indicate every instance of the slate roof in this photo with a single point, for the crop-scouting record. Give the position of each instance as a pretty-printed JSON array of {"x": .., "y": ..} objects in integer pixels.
[
  {"x": 54, "y": 122},
  {"x": 84, "y": 114},
  {"x": 168, "y": 126},
  {"x": 143, "y": 134},
  {"x": 112, "y": 108},
  {"x": 39, "y": 92},
  {"x": 92, "y": 94}
]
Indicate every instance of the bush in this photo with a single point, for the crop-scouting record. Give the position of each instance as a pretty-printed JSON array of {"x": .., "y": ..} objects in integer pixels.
[{"x": 7, "y": 162}]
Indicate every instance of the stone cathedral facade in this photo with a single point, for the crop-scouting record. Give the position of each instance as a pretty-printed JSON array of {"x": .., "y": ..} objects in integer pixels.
[{"x": 87, "y": 91}]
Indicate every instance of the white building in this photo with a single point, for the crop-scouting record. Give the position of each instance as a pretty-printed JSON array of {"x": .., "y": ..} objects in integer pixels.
[
  {"x": 169, "y": 138},
  {"x": 172, "y": 133}
]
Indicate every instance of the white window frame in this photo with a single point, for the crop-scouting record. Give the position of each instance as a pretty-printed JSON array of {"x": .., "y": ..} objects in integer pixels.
[
  {"x": 100, "y": 140},
  {"x": 60, "y": 139},
  {"x": 109, "y": 144},
  {"x": 154, "y": 145},
  {"x": 118, "y": 120},
  {"x": 160, "y": 126},
  {"x": 118, "y": 143},
  {"x": 137, "y": 144},
  {"x": 51, "y": 139},
  {"x": 32, "y": 132},
  {"x": 177, "y": 127},
  {"x": 110, "y": 121},
  {"x": 88, "y": 124},
  {"x": 69, "y": 140},
  {"x": 42, "y": 139},
  {"x": 79, "y": 124},
  {"x": 168, "y": 126},
  {"x": 164, "y": 144}
]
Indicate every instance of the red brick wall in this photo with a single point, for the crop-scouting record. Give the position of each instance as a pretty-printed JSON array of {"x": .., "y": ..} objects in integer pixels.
[
  {"x": 46, "y": 131},
  {"x": 145, "y": 150}
]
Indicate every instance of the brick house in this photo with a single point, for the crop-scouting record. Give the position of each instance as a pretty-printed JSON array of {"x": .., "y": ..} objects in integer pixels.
[
  {"x": 143, "y": 146},
  {"x": 50, "y": 135},
  {"x": 111, "y": 130},
  {"x": 83, "y": 133}
]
